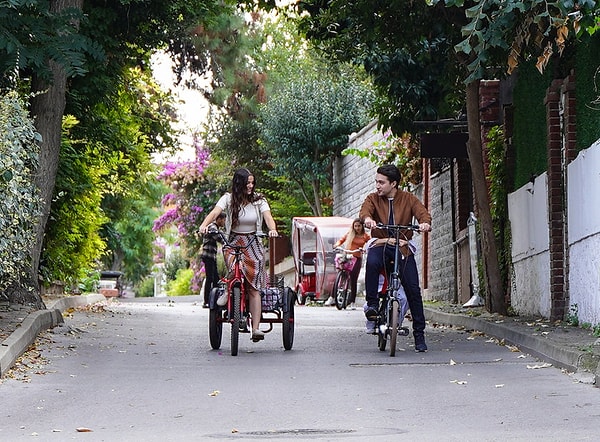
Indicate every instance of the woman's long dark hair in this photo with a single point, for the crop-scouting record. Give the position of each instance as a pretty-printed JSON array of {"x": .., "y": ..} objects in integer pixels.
[{"x": 239, "y": 197}]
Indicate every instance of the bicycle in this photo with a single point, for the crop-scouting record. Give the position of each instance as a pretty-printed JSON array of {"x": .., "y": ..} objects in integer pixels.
[
  {"x": 392, "y": 299},
  {"x": 344, "y": 263},
  {"x": 236, "y": 311}
]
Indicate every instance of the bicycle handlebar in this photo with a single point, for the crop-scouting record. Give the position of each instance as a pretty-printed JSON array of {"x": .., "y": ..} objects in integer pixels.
[
  {"x": 226, "y": 242},
  {"x": 342, "y": 250},
  {"x": 413, "y": 227}
]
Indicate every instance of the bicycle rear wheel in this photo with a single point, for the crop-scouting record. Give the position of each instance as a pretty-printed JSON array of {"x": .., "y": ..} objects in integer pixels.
[
  {"x": 235, "y": 320},
  {"x": 393, "y": 326},
  {"x": 341, "y": 289}
]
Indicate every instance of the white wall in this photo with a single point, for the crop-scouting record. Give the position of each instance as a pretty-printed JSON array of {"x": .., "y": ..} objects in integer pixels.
[
  {"x": 528, "y": 214},
  {"x": 583, "y": 197}
]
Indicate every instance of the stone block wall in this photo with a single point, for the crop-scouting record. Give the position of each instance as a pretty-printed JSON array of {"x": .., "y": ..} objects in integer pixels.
[
  {"x": 441, "y": 285},
  {"x": 354, "y": 178}
]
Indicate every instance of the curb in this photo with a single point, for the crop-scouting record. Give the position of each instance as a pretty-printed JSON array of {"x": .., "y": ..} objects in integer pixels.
[
  {"x": 569, "y": 359},
  {"x": 18, "y": 342}
]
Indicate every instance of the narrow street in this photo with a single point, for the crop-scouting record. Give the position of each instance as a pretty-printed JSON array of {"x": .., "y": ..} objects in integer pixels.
[{"x": 143, "y": 369}]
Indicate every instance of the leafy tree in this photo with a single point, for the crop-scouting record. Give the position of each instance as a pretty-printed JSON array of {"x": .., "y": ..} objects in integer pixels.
[
  {"x": 306, "y": 125},
  {"x": 72, "y": 240},
  {"x": 45, "y": 43}
]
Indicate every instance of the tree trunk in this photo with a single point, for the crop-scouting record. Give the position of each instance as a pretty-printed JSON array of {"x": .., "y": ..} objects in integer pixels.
[
  {"x": 47, "y": 108},
  {"x": 494, "y": 300}
]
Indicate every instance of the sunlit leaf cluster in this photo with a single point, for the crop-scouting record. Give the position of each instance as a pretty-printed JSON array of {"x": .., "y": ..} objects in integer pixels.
[{"x": 521, "y": 29}]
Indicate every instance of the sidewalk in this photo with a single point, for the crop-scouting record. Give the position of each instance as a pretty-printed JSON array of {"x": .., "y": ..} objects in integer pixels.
[
  {"x": 574, "y": 349},
  {"x": 20, "y": 325}
]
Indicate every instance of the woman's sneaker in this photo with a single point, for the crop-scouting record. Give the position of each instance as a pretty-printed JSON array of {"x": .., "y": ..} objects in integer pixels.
[
  {"x": 329, "y": 301},
  {"x": 257, "y": 335}
]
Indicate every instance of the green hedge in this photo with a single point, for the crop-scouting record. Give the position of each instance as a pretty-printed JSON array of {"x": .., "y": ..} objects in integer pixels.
[
  {"x": 530, "y": 133},
  {"x": 530, "y": 136},
  {"x": 587, "y": 91}
]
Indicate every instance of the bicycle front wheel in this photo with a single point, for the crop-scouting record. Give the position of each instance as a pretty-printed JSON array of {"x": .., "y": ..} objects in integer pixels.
[
  {"x": 393, "y": 326},
  {"x": 236, "y": 294},
  {"x": 341, "y": 289}
]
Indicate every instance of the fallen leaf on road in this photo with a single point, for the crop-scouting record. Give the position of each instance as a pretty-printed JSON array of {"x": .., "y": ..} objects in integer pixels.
[
  {"x": 513, "y": 348},
  {"x": 234, "y": 430},
  {"x": 535, "y": 367},
  {"x": 499, "y": 385},
  {"x": 456, "y": 381},
  {"x": 83, "y": 430},
  {"x": 214, "y": 393},
  {"x": 452, "y": 362}
]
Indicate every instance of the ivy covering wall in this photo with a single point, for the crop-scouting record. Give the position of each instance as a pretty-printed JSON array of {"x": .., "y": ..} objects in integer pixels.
[
  {"x": 529, "y": 136},
  {"x": 587, "y": 77}
]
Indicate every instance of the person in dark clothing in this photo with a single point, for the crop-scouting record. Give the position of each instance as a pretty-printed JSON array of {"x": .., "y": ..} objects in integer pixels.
[
  {"x": 391, "y": 205},
  {"x": 209, "y": 258}
]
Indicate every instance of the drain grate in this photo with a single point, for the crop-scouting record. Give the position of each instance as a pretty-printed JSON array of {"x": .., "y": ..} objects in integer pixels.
[{"x": 288, "y": 433}]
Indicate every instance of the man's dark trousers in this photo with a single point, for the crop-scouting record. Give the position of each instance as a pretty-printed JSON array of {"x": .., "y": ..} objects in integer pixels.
[{"x": 409, "y": 276}]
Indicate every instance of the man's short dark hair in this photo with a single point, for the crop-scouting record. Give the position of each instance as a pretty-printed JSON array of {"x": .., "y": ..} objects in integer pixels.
[{"x": 391, "y": 172}]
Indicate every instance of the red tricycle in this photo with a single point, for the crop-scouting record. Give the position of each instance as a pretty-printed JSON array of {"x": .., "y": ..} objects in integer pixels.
[
  {"x": 277, "y": 303},
  {"x": 312, "y": 246}
]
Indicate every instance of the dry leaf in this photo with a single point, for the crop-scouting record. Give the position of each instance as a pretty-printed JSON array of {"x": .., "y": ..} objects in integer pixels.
[
  {"x": 234, "y": 430},
  {"x": 499, "y": 385},
  {"x": 513, "y": 348},
  {"x": 214, "y": 393},
  {"x": 456, "y": 381},
  {"x": 452, "y": 362},
  {"x": 83, "y": 430},
  {"x": 535, "y": 367}
]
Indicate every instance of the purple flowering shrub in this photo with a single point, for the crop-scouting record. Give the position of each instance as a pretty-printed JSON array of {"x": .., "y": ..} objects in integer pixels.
[{"x": 192, "y": 196}]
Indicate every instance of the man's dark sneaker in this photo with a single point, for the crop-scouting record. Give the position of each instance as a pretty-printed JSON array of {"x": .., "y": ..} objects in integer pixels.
[
  {"x": 370, "y": 314},
  {"x": 420, "y": 346}
]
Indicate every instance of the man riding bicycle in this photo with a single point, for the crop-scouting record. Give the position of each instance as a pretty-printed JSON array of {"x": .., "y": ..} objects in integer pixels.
[{"x": 390, "y": 205}]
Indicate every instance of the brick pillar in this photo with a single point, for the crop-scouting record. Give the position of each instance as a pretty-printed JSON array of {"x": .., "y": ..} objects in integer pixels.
[
  {"x": 555, "y": 203},
  {"x": 489, "y": 114},
  {"x": 569, "y": 139},
  {"x": 425, "y": 163}
]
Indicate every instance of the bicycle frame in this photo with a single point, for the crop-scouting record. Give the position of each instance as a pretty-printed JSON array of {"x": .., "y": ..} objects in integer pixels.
[
  {"x": 341, "y": 286},
  {"x": 388, "y": 321}
]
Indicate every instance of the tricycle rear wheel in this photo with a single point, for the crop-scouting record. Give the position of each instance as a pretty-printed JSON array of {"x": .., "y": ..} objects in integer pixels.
[
  {"x": 288, "y": 319},
  {"x": 215, "y": 328}
]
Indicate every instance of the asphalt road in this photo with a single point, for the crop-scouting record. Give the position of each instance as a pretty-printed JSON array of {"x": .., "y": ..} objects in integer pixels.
[{"x": 144, "y": 371}]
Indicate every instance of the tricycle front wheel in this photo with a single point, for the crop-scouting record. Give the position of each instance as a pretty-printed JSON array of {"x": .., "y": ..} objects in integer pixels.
[{"x": 236, "y": 294}]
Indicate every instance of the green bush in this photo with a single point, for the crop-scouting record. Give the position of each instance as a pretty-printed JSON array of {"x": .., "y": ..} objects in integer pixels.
[
  {"x": 181, "y": 286},
  {"x": 20, "y": 206},
  {"x": 145, "y": 289}
]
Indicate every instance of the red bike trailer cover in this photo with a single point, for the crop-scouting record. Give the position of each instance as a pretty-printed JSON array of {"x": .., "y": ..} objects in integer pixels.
[{"x": 318, "y": 234}]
